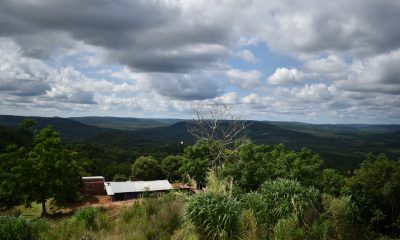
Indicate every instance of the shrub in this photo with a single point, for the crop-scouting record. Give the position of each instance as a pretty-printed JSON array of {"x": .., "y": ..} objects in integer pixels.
[
  {"x": 285, "y": 198},
  {"x": 88, "y": 216},
  {"x": 214, "y": 216},
  {"x": 12, "y": 228},
  {"x": 288, "y": 229},
  {"x": 248, "y": 226},
  {"x": 342, "y": 213},
  {"x": 138, "y": 210},
  {"x": 39, "y": 226}
]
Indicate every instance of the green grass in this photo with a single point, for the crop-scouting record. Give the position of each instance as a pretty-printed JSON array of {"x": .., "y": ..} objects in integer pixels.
[{"x": 153, "y": 218}]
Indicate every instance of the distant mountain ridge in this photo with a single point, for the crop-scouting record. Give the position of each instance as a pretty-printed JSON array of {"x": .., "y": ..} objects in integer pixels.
[
  {"x": 68, "y": 128},
  {"x": 342, "y": 144},
  {"x": 125, "y": 123}
]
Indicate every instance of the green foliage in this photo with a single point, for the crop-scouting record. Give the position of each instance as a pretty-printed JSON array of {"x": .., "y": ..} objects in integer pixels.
[
  {"x": 375, "y": 188},
  {"x": 254, "y": 164},
  {"x": 88, "y": 216},
  {"x": 120, "y": 178},
  {"x": 288, "y": 229},
  {"x": 12, "y": 228},
  {"x": 331, "y": 182},
  {"x": 219, "y": 186},
  {"x": 10, "y": 191},
  {"x": 68, "y": 228},
  {"x": 170, "y": 166},
  {"x": 40, "y": 226},
  {"x": 50, "y": 171},
  {"x": 114, "y": 169},
  {"x": 249, "y": 228},
  {"x": 342, "y": 214},
  {"x": 137, "y": 222},
  {"x": 198, "y": 159},
  {"x": 288, "y": 198},
  {"x": 280, "y": 199},
  {"x": 214, "y": 216},
  {"x": 146, "y": 168}
]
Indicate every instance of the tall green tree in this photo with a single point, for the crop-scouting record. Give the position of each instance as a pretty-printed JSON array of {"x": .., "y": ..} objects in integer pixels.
[
  {"x": 146, "y": 168},
  {"x": 197, "y": 159},
  {"x": 253, "y": 164},
  {"x": 375, "y": 188},
  {"x": 170, "y": 166},
  {"x": 50, "y": 171},
  {"x": 10, "y": 194}
]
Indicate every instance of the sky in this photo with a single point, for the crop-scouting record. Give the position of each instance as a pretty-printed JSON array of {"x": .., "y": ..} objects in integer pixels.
[{"x": 282, "y": 60}]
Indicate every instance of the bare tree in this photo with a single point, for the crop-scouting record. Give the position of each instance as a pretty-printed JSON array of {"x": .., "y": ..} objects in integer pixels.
[{"x": 215, "y": 123}]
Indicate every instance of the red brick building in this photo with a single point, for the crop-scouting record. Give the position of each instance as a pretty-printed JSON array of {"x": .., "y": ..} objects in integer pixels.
[{"x": 93, "y": 185}]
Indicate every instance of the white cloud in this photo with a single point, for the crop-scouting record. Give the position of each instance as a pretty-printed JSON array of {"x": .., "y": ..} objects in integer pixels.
[
  {"x": 380, "y": 73},
  {"x": 244, "y": 79},
  {"x": 227, "y": 98},
  {"x": 286, "y": 76},
  {"x": 247, "y": 56},
  {"x": 332, "y": 68}
]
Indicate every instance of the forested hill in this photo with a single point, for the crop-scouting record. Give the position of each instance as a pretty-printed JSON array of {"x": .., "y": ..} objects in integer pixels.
[
  {"x": 126, "y": 123},
  {"x": 340, "y": 145},
  {"x": 68, "y": 129}
]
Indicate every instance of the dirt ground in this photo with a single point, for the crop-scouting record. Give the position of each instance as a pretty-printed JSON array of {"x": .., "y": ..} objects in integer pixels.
[{"x": 101, "y": 201}]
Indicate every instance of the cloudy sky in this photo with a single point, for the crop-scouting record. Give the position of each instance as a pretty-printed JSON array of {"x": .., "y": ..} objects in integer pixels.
[{"x": 309, "y": 61}]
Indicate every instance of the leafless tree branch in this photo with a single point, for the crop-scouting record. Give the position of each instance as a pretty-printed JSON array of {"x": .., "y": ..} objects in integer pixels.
[{"x": 216, "y": 123}]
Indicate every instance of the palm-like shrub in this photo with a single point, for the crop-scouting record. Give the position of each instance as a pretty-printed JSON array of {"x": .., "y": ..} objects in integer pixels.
[
  {"x": 278, "y": 199},
  {"x": 287, "y": 198},
  {"x": 214, "y": 216},
  {"x": 88, "y": 216}
]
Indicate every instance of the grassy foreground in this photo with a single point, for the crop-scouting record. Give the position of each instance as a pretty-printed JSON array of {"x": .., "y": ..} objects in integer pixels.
[
  {"x": 145, "y": 219},
  {"x": 150, "y": 218}
]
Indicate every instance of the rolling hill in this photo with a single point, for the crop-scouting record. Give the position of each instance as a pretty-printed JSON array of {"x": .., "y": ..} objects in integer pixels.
[
  {"x": 125, "y": 123},
  {"x": 68, "y": 129},
  {"x": 343, "y": 145}
]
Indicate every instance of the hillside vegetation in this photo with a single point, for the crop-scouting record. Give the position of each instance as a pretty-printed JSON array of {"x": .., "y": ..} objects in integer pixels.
[
  {"x": 247, "y": 190},
  {"x": 342, "y": 146}
]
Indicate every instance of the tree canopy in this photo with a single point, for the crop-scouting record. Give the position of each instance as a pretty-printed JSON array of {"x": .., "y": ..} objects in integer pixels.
[
  {"x": 50, "y": 171},
  {"x": 146, "y": 168}
]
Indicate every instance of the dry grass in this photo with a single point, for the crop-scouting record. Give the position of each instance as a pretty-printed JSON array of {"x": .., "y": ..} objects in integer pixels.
[{"x": 140, "y": 219}]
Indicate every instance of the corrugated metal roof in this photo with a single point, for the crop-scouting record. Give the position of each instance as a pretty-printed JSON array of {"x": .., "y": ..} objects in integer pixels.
[{"x": 136, "y": 186}]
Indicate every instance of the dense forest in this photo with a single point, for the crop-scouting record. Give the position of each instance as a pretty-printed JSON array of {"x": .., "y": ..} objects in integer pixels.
[{"x": 278, "y": 181}]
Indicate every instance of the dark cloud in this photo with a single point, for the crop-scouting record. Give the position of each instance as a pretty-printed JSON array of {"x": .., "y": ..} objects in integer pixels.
[
  {"x": 185, "y": 87},
  {"x": 81, "y": 97},
  {"x": 150, "y": 36},
  {"x": 23, "y": 87}
]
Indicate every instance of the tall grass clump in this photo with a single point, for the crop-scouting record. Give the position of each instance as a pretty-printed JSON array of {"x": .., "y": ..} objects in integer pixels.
[
  {"x": 40, "y": 226},
  {"x": 12, "y": 228},
  {"x": 249, "y": 228},
  {"x": 286, "y": 198},
  {"x": 341, "y": 214},
  {"x": 88, "y": 216},
  {"x": 276, "y": 200},
  {"x": 289, "y": 229},
  {"x": 215, "y": 216}
]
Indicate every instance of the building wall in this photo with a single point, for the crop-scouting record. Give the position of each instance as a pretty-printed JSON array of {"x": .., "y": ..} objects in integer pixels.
[
  {"x": 93, "y": 187},
  {"x": 136, "y": 195}
]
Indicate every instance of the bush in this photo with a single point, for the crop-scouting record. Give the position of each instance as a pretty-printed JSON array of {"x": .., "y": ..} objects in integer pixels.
[
  {"x": 88, "y": 216},
  {"x": 215, "y": 216},
  {"x": 138, "y": 210},
  {"x": 40, "y": 225},
  {"x": 285, "y": 198},
  {"x": 342, "y": 213},
  {"x": 288, "y": 229},
  {"x": 12, "y": 228}
]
